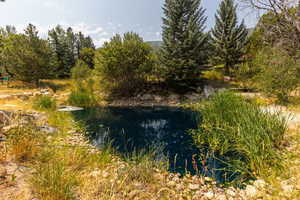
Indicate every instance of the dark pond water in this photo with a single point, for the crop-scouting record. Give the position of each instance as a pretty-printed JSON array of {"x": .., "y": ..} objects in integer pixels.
[{"x": 138, "y": 128}]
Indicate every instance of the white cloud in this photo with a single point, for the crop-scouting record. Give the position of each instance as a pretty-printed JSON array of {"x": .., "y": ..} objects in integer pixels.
[{"x": 97, "y": 32}]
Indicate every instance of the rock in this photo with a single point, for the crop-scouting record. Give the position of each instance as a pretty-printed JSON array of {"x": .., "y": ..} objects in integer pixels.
[
  {"x": 230, "y": 192},
  {"x": 2, "y": 138},
  {"x": 287, "y": 188},
  {"x": 171, "y": 183},
  {"x": 192, "y": 96},
  {"x": 251, "y": 191},
  {"x": 209, "y": 195},
  {"x": 47, "y": 129},
  {"x": 69, "y": 109},
  {"x": 194, "y": 187},
  {"x": 208, "y": 91},
  {"x": 174, "y": 97},
  {"x": 146, "y": 97},
  {"x": 158, "y": 98},
  {"x": 259, "y": 184},
  {"x": 95, "y": 173}
]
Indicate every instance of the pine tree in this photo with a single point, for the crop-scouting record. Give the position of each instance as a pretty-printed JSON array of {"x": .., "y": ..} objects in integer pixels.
[
  {"x": 228, "y": 38},
  {"x": 183, "y": 52}
]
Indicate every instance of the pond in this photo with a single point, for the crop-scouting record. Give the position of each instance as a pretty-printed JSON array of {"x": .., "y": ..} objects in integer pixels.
[{"x": 134, "y": 129}]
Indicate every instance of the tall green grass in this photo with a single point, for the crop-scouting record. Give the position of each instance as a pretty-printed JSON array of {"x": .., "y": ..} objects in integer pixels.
[
  {"x": 44, "y": 103},
  {"x": 238, "y": 134}
]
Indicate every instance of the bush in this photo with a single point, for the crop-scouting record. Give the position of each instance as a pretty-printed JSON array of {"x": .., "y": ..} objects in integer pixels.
[
  {"x": 124, "y": 64},
  {"x": 44, "y": 103},
  {"x": 81, "y": 71},
  {"x": 240, "y": 136},
  {"x": 81, "y": 98},
  {"x": 278, "y": 73}
]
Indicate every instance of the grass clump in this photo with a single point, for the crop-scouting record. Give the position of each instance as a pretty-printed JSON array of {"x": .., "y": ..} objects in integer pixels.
[
  {"x": 142, "y": 165},
  {"x": 44, "y": 103},
  {"x": 241, "y": 136},
  {"x": 54, "y": 181},
  {"x": 24, "y": 142},
  {"x": 83, "y": 94}
]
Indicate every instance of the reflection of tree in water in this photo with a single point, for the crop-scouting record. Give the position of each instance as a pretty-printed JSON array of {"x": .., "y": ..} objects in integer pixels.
[{"x": 134, "y": 129}]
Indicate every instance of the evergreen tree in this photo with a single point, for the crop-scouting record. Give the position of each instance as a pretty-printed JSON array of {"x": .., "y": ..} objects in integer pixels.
[
  {"x": 228, "y": 38},
  {"x": 59, "y": 47},
  {"x": 184, "y": 42},
  {"x": 67, "y": 47}
]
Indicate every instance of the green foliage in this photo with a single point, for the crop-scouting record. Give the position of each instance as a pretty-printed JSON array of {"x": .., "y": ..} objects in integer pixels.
[
  {"x": 44, "y": 103},
  {"x": 81, "y": 71},
  {"x": 244, "y": 139},
  {"x": 82, "y": 97},
  {"x": 27, "y": 57},
  {"x": 277, "y": 73},
  {"x": 66, "y": 49},
  {"x": 87, "y": 55},
  {"x": 123, "y": 64},
  {"x": 228, "y": 38},
  {"x": 213, "y": 75},
  {"x": 184, "y": 49}
]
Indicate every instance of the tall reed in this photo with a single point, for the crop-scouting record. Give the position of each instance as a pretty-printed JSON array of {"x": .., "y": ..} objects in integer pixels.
[{"x": 245, "y": 140}]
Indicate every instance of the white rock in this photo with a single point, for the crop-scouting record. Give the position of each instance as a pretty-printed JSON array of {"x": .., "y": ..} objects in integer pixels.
[
  {"x": 95, "y": 173},
  {"x": 209, "y": 195},
  {"x": 251, "y": 191},
  {"x": 287, "y": 188},
  {"x": 146, "y": 97},
  {"x": 259, "y": 184},
  {"x": 231, "y": 192},
  {"x": 194, "y": 187}
]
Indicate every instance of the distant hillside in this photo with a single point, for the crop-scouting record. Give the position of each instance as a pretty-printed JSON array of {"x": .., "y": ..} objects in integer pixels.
[{"x": 155, "y": 44}]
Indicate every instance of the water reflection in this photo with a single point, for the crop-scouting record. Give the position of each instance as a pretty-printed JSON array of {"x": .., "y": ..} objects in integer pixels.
[{"x": 137, "y": 128}]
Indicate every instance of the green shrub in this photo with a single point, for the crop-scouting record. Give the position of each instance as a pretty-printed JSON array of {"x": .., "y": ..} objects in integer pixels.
[
  {"x": 278, "y": 73},
  {"x": 81, "y": 71},
  {"x": 81, "y": 98},
  {"x": 44, "y": 103},
  {"x": 237, "y": 133},
  {"x": 123, "y": 64}
]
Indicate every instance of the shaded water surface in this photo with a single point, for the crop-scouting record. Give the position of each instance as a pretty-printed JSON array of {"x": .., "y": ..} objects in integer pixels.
[{"x": 138, "y": 128}]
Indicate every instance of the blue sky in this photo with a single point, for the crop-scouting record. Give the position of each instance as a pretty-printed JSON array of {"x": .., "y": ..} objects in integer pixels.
[{"x": 100, "y": 19}]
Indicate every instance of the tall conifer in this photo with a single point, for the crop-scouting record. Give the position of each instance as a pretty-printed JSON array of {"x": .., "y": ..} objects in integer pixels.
[
  {"x": 183, "y": 52},
  {"x": 228, "y": 38}
]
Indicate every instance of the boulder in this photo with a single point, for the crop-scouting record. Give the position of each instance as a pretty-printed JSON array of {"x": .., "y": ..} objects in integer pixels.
[
  {"x": 174, "y": 97},
  {"x": 47, "y": 129},
  {"x": 192, "y": 96},
  {"x": 146, "y": 97}
]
